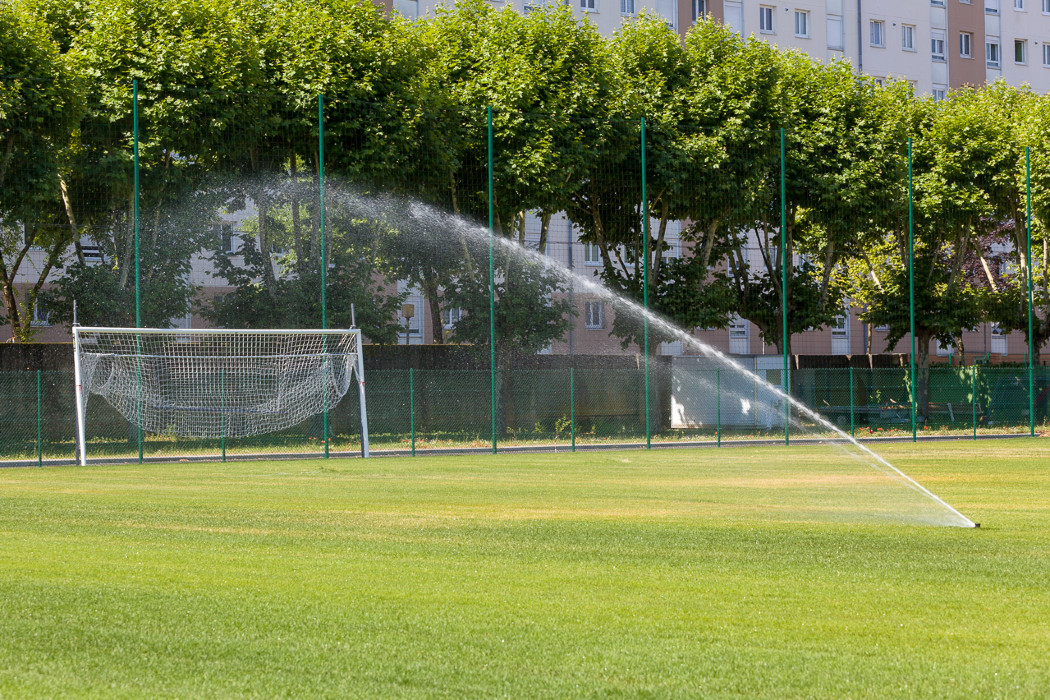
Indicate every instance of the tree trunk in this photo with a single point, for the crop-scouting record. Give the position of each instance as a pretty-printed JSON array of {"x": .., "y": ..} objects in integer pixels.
[
  {"x": 430, "y": 290},
  {"x": 269, "y": 279}
]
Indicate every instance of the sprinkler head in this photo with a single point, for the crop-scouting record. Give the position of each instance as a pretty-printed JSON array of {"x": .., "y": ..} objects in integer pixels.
[{"x": 976, "y": 525}]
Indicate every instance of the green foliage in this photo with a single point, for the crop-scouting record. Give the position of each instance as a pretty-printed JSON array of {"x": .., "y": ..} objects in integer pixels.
[
  {"x": 228, "y": 97},
  {"x": 528, "y": 316}
]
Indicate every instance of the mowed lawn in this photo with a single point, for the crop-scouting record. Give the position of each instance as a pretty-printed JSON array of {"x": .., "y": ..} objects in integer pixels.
[{"x": 668, "y": 573}]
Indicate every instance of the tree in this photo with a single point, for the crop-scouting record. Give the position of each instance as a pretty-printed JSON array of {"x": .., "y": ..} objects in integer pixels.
[
  {"x": 355, "y": 285},
  {"x": 187, "y": 57},
  {"x": 40, "y": 103},
  {"x": 957, "y": 160}
]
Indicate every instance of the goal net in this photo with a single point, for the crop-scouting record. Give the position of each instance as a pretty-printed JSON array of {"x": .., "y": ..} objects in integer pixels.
[{"x": 216, "y": 383}]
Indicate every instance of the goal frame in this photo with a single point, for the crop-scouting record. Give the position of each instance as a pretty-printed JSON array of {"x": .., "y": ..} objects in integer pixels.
[{"x": 78, "y": 331}]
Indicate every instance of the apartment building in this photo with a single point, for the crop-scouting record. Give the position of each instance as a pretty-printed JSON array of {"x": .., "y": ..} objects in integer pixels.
[{"x": 937, "y": 45}]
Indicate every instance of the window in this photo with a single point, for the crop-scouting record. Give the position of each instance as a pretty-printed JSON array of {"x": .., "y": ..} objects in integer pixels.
[
  {"x": 937, "y": 3},
  {"x": 1046, "y": 55},
  {"x": 991, "y": 54},
  {"x": 937, "y": 45},
  {"x": 593, "y": 316},
  {"x": 224, "y": 234},
  {"x": 699, "y": 10},
  {"x": 592, "y": 254},
  {"x": 908, "y": 37},
  {"x": 737, "y": 328},
  {"x": 884, "y": 328},
  {"x": 626, "y": 7},
  {"x": 965, "y": 44},
  {"x": 765, "y": 19},
  {"x": 835, "y": 38},
  {"x": 991, "y": 7},
  {"x": 1046, "y": 7},
  {"x": 939, "y": 93},
  {"x": 878, "y": 32},
  {"x": 41, "y": 315},
  {"x": 1019, "y": 4},
  {"x": 449, "y": 317},
  {"x": 840, "y": 328},
  {"x": 802, "y": 24},
  {"x": 92, "y": 254},
  {"x": 671, "y": 251},
  {"x": 1020, "y": 51},
  {"x": 589, "y": 5}
]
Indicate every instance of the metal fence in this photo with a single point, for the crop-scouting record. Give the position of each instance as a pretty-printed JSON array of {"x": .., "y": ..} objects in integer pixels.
[{"x": 428, "y": 411}]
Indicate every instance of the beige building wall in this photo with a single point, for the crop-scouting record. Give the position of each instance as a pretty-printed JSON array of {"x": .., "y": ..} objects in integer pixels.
[{"x": 966, "y": 43}]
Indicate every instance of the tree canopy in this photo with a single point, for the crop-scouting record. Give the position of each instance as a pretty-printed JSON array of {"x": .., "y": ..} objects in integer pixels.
[{"x": 228, "y": 104}]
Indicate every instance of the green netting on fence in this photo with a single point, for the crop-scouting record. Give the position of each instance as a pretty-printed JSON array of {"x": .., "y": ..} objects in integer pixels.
[{"x": 561, "y": 408}]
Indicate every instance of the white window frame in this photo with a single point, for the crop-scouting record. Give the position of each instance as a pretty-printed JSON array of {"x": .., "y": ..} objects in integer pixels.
[
  {"x": 699, "y": 10},
  {"x": 41, "y": 315},
  {"x": 802, "y": 24},
  {"x": 939, "y": 94},
  {"x": 589, "y": 5},
  {"x": 937, "y": 40},
  {"x": 227, "y": 237},
  {"x": 1046, "y": 7},
  {"x": 991, "y": 7},
  {"x": 966, "y": 44},
  {"x": 840, "y": 328},
  {"x": 877, "y": 33},
  {"x": 766, "y": 19},
  {"x": 1019, "y": 5},
  {"x": 1046, "y": 54},
  {"x": 907, "y": 37},
  {"x": 592, "y": 255},
  {"x": 449, "y": 317},
  {"x": 594, "y": 315},
  {"x": 992, "y": 54},
  {"x": 1021, "y": 50},
  {"x": 627, "y": 8}
]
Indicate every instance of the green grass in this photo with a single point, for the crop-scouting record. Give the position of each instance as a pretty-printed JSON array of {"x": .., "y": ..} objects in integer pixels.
[{"x": 747, "y": 572}]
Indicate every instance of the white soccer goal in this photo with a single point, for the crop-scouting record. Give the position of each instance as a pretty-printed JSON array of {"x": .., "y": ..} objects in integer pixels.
[{"x": 216, "y": 383}]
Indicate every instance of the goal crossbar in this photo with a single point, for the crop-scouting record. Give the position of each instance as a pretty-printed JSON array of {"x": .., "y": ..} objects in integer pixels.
[{"x": 215, "y": 382}]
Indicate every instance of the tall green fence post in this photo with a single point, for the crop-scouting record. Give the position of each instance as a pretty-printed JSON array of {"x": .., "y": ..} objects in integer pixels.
[
  {"x": 412, "y": 408},
  {"x": 645, "y": 292},
  {"x": 492, "y": 286},
  {"x": 973, "y": 397},
  {"x": 911, "y": 285},
  {"x": 138, "y": 275},
  {"x": 1028, "y": 264},
  {"x": 572, "y": 406},
  {"x": 784, "y": 381},
  {"x": 324, "y": 260},
  {"x": 39, "y": 420},
  {"x": 718, "y": 407},
  {"x": 852, "y": 423}
]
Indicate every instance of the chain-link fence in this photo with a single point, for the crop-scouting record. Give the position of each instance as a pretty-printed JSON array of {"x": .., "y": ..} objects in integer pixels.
[{"x": 426, "y": 411}]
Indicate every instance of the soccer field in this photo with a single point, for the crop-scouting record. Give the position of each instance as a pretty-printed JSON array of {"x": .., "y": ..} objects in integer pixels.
[{"x": 748, "y": 572}]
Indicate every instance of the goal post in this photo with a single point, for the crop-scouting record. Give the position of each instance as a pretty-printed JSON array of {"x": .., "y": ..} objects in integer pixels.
[{"x": 216, "y": 383}]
